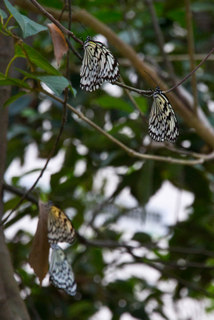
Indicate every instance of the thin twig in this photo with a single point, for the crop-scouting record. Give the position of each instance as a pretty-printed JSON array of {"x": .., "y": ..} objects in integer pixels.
[
  {"x": 19, "y": 192},
  {"x": 56, "y": 22},
  {"x": 123, "y": 85},
  {"x": 69, "y": 14},
  {"x": 43, "y": 169},
  {"x": 180, "y": 150},
  {"x": 45, "y": 12},
  {"x": 130, "y": 151},
  {"x": 150, "y": 246},
  {"x": 174, "y": 57},
  {"x": 171, "y": 264},
  {"x": 191, "y": 49},
  {"x": 103, "y": 243},
  {"x": 74, "y": 50},
  {"x": 200, "y": 124},
  {"x": 133, "y": 101},
  {"x": 169, "y": 274},
  {"x": 189, "y": 74},
  {"x": 160, "y": 40},
  {"x": 182, "y": 250},
  {"x": 53, "y": 149},
  {"x": 69, "y": 28}
]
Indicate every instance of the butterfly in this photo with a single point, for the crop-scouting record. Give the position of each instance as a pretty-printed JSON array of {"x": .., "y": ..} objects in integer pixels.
[
  {"x": 60, "y": 228},
  {"x": 61, "y": 274},
  {"x": 162, "y": 121},
  {"x": 98, "y": 65}
]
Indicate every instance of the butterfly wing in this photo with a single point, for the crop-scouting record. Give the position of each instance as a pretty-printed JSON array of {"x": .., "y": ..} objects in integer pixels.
[
  {"x": 61, "y": 274},
  {"x": 162, "y": 121},
  {"x": 98, "y": 65},
  {"x": 88, "y": 70},
  {"x": 60, "y": 228},
  {"x": 109, "y": 67}
]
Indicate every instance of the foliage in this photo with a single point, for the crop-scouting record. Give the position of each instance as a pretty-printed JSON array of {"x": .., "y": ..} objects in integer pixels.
[{"x": 102, "y": 272}]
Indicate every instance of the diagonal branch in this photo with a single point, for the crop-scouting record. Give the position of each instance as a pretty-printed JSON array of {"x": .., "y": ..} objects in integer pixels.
[
  {"x": 57, "y": 23},
  {"x": 190, "y": 41},
  {"x": 160, "y": 40}
]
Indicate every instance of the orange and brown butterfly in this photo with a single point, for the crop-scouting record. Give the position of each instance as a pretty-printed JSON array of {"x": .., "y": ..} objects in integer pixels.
[{"x": 60, "y": 228}]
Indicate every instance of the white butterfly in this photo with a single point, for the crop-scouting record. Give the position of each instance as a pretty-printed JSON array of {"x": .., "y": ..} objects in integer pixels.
[
  {"x": 61, "y": 274},
  {"x": 162, "y": 121},
  {"x": 98, "y": 65}
]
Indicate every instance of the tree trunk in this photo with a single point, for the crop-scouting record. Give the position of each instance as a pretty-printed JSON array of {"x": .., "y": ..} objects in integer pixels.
[{"x": 12, "y": 306}]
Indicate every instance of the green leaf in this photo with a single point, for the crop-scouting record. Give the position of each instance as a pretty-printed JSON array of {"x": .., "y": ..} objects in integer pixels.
[
  {"x": 55, "y": 83},
  {"x": 108, "y": 102},
  {"x": 177, "y": 15},
  {"x": 29, "y": 27},
  {"x": 3, "y": 14},
  {"x": 142, "y": 237},
  {"x": 36, "y": 58},
  {"x": 4, "y": 81},
  {"x": 17, "y": 16},
  {"x": 142, "y": 103}
]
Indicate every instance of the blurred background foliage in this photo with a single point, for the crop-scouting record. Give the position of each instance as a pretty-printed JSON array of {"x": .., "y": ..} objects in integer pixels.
[{"x": 94, "y": 172}]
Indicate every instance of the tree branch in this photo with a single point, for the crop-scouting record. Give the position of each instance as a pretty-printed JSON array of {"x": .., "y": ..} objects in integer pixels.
[
  {"x": 160, "y": 40},
  {"x": 64, "y": 102},
  {"x": 11, "y": 304},
  {"x": 128, "y": 150},
  {"x": 170, "y": 274},
  {"x": 18, "y": 192},
  {"x": 200, "y": 123},
  {"x": 190, "y": 41},
  {"x": 56, "y": 22}
]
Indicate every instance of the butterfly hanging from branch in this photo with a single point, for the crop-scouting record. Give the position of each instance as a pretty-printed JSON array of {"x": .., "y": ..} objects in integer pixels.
[
  {"x": 60, "y": 228},
  {"x": 98, "y": 65},
  {"x": 61, "y": 274},
  {"x": 163, "y": 125}
]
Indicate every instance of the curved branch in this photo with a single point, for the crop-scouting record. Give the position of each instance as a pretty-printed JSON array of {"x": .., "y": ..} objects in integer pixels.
[{"x": 131, "y": 152}]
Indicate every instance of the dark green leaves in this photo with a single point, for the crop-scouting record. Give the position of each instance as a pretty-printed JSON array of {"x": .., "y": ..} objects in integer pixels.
[
  {"x": 25, "y": 51},
  {"x": 28, "y": 26},
  {"x": 108, "y": 102},
  {"x": 3, "y": 14},
  {"x": 56, "y": 83}
]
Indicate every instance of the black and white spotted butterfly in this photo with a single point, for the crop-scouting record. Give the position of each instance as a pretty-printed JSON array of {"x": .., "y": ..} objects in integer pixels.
[
  {"x": 61, "y": 274},
  {"x": 162, "y": 121},
  {"x": 98, "y": 65},
  {"x": 60, "y": 228}
]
